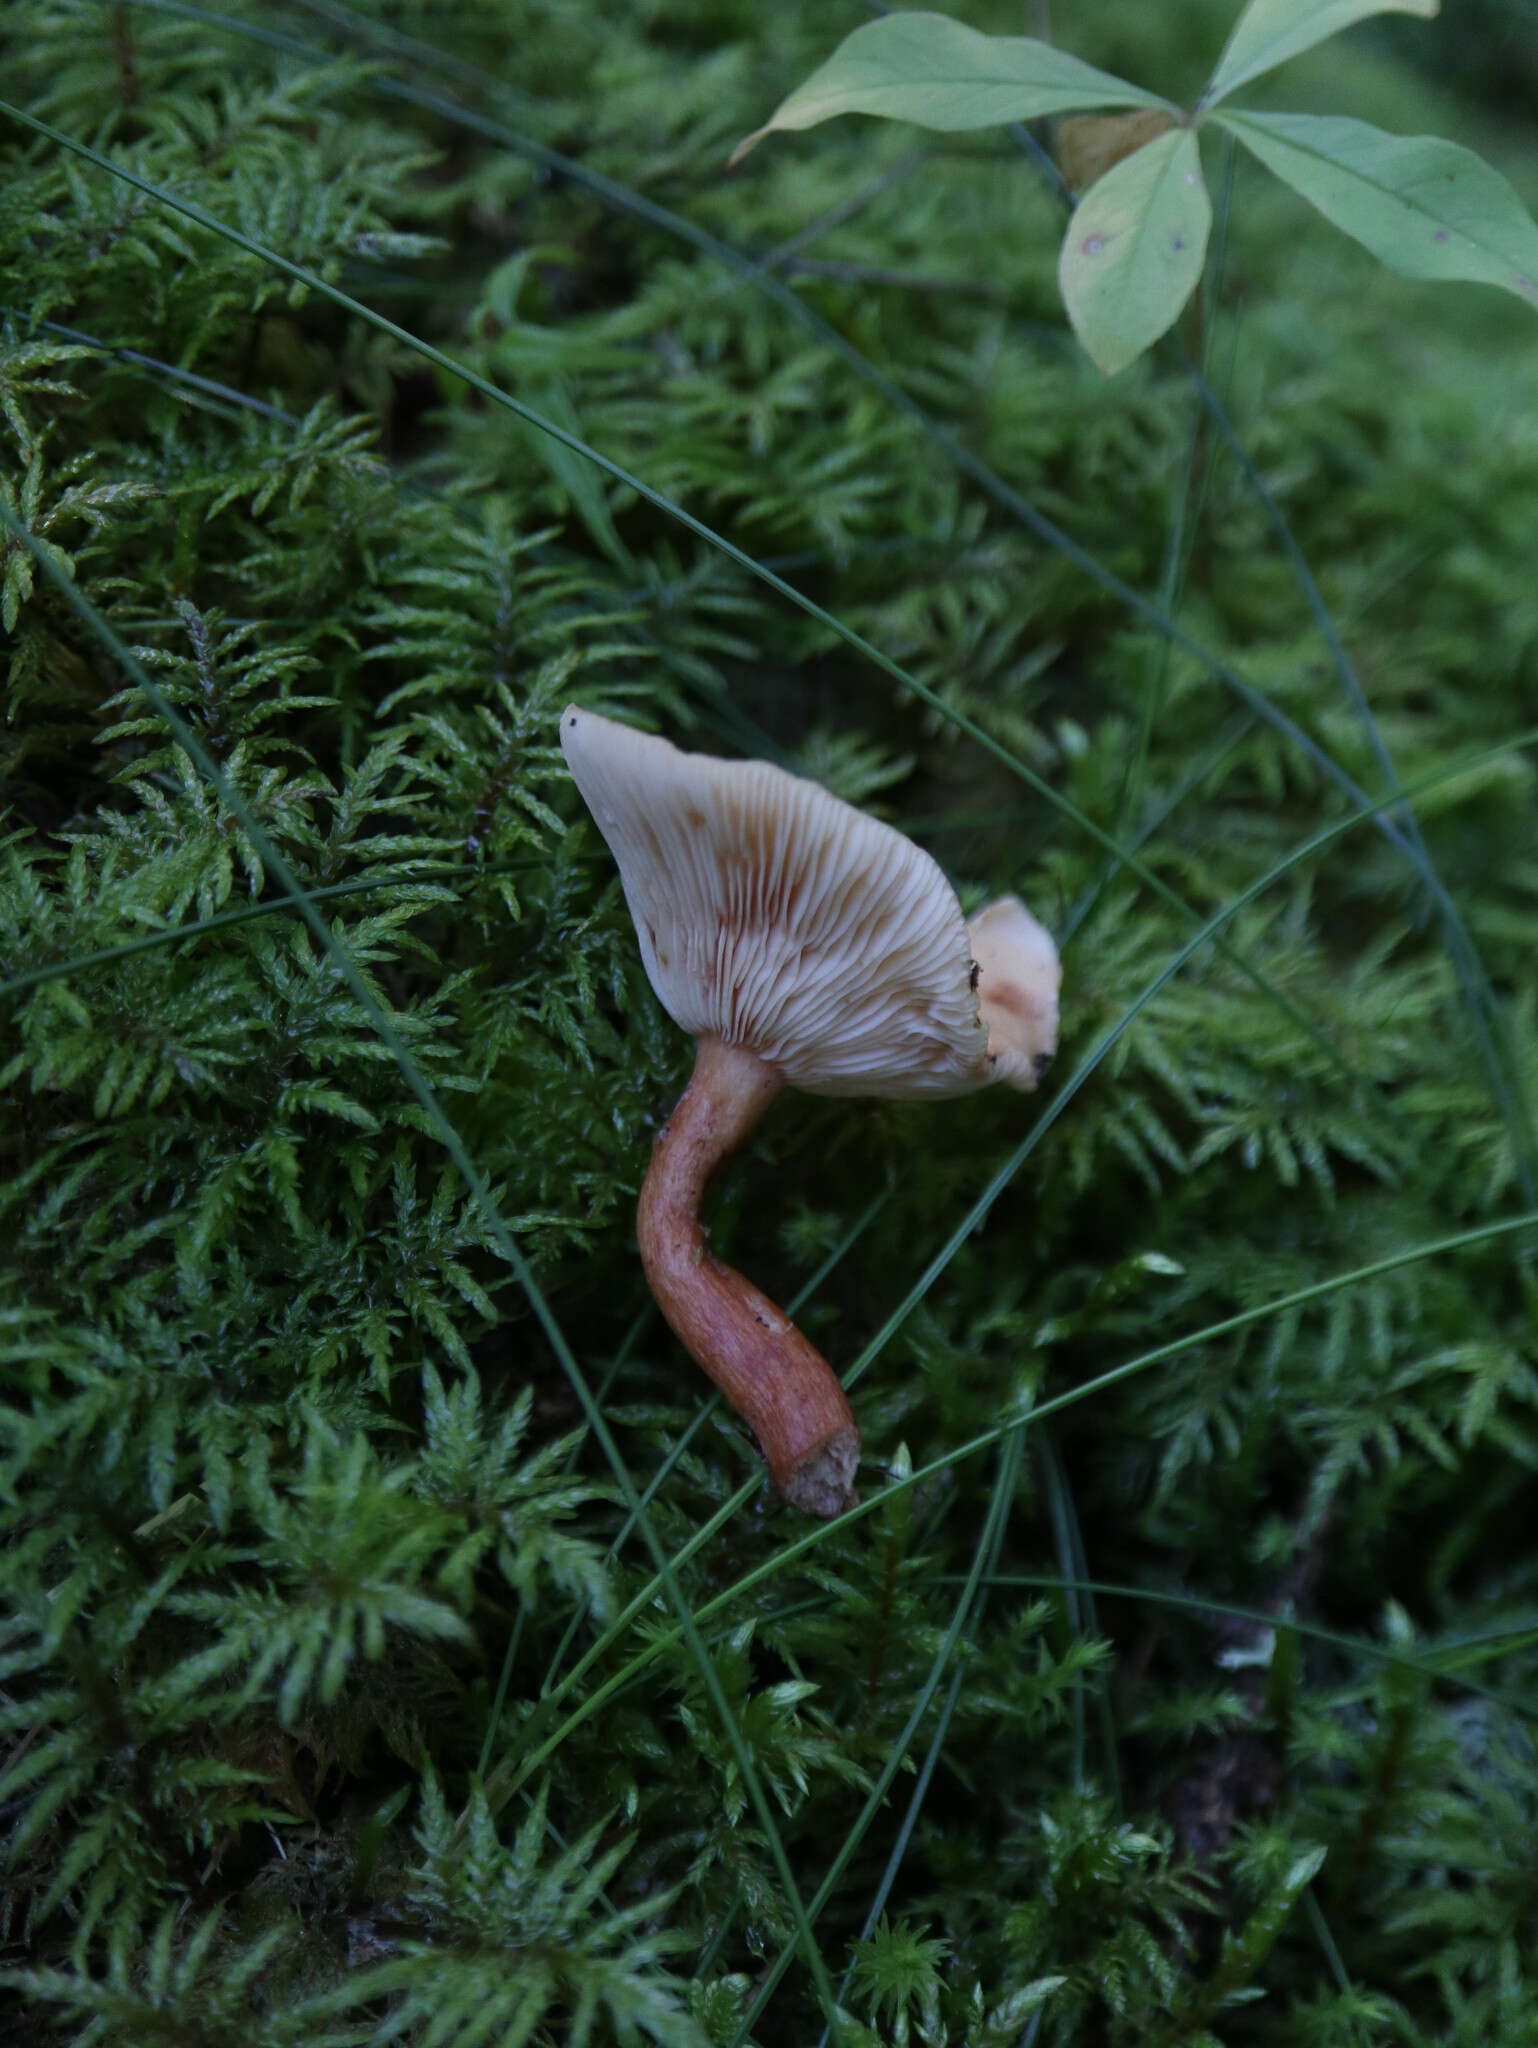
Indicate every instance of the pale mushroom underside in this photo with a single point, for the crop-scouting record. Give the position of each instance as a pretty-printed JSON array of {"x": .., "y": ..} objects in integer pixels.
[{"x": 775, "y": 916}]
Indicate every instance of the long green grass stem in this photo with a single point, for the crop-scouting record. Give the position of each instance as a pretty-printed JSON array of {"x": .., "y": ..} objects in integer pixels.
[
  {"x": 480, "y": 1193},
  {"x": 618, "y": 196},
  {"x": 735, "y": 554},
  {"x": 792, "y": 1552},
  {"x": 972, "y": 1221}
]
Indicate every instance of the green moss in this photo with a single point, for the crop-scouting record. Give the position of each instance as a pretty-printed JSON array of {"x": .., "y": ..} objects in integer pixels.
[{"x": 342, "y": 1700}]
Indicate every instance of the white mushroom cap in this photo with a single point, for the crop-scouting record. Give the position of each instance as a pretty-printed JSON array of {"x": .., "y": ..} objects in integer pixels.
[
  {"x": 1019, "y": 974},
  {"x": 776, "y": 917}
]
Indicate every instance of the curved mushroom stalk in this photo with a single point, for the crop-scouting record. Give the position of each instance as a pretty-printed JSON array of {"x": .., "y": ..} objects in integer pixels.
[
  {"x": 802, "y": 944},
  {"x": 781, "y": 1385}
]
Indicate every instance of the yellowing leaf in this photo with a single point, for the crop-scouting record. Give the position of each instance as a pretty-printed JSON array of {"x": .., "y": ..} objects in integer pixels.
[{"x": 1088, "y": 145}]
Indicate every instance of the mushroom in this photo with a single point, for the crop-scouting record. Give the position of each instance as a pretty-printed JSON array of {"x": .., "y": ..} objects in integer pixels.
[
  {"x": 803, "y": 943},
  {"x": 1018, "y": 978}
]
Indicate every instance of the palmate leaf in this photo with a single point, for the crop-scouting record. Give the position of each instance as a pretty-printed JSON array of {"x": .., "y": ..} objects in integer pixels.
[
  {"x": 1134, "y": 249},
  {"x": 1425, "y": 207},
  {"x": 927, "y": 68},
  {"x": 1270, "y": 31}
]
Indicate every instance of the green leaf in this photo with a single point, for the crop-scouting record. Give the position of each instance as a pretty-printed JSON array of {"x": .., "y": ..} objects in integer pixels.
[
  {"x": 582, "y": 482},
  {"x": 1423, "y": 206},
  {"x": 1134, "y": 249},
  {"x": 1270, "y": 31},
  {"x": 938, "y": 72}
]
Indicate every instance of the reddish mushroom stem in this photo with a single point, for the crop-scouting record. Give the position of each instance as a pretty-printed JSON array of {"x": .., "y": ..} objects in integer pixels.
[{"x": 781, "y": 1385}]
